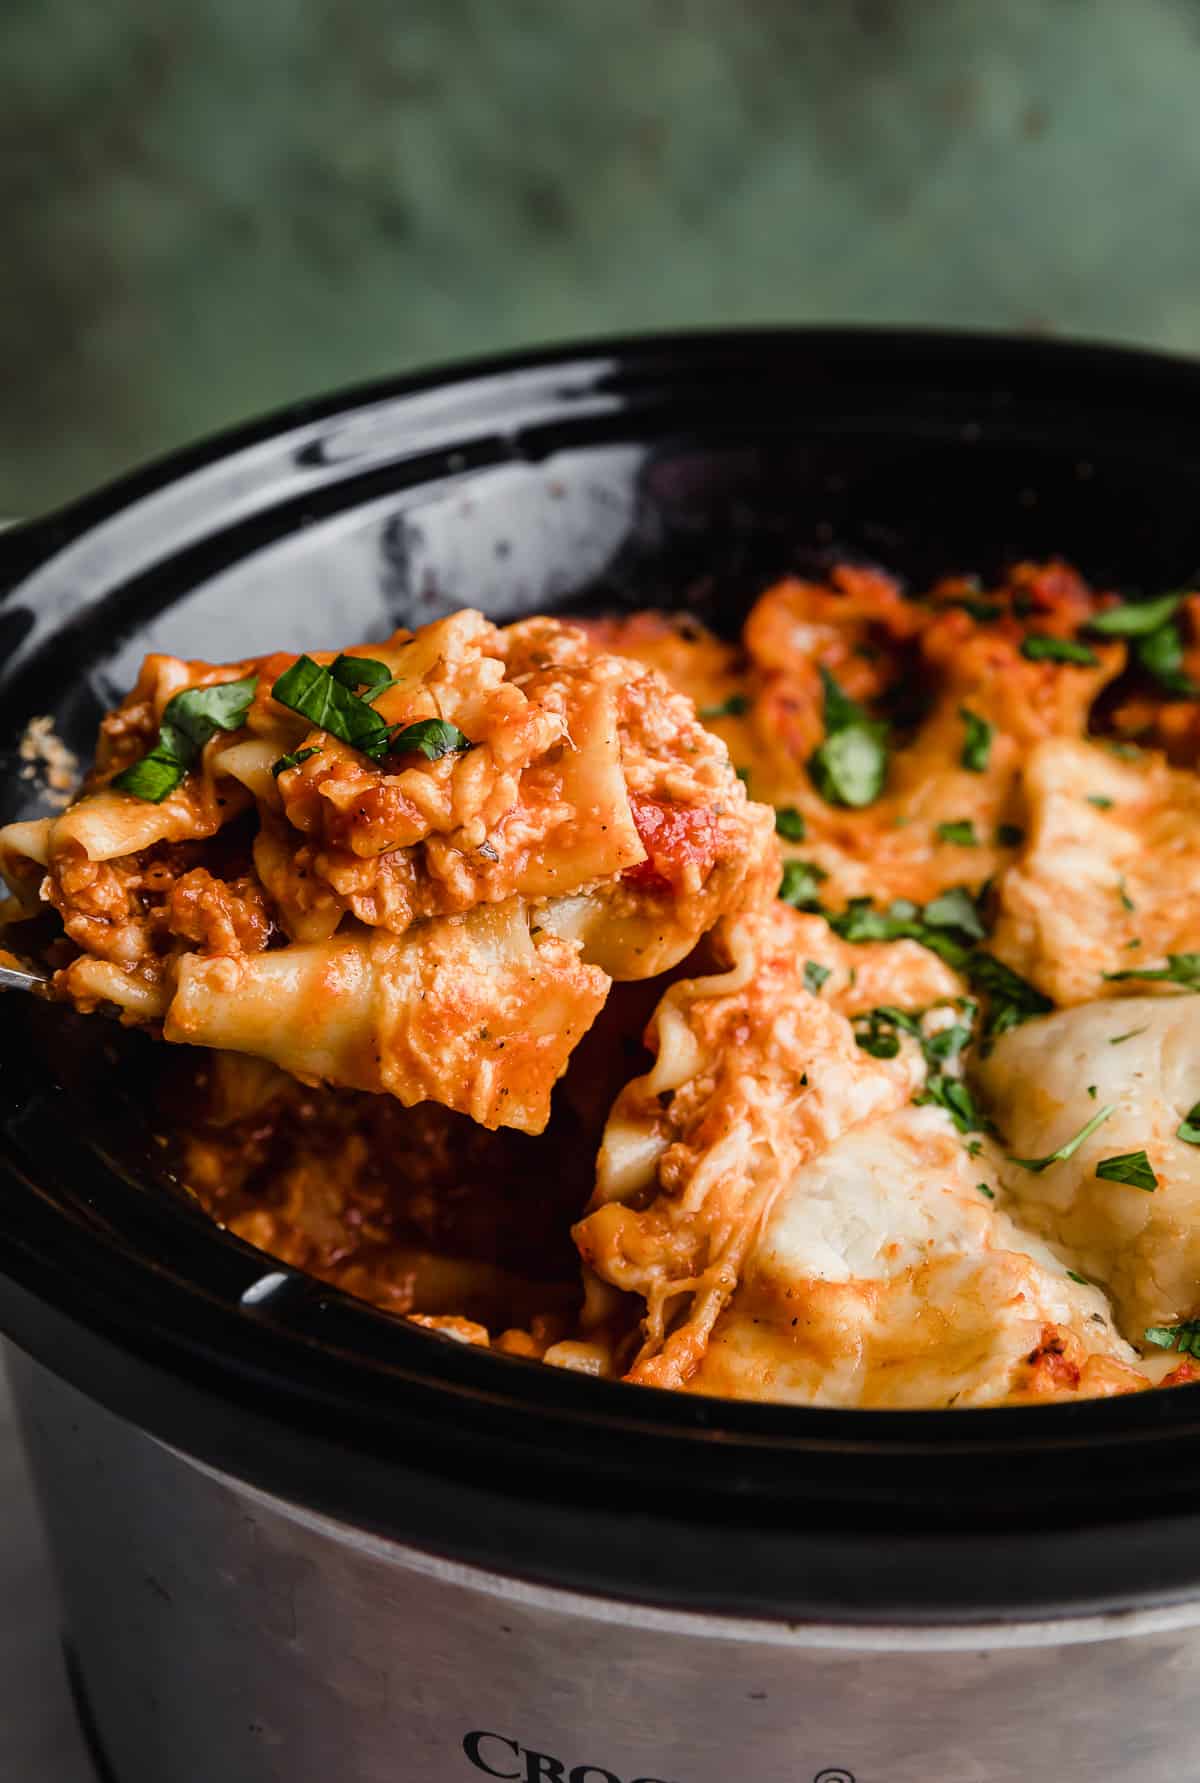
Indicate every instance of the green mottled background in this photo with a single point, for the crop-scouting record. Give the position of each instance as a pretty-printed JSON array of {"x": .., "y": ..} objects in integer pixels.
[{"x": 210, "y": 208}]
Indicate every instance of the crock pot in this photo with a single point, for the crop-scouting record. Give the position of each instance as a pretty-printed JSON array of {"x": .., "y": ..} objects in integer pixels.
[{"x": 298, "y": 1539}]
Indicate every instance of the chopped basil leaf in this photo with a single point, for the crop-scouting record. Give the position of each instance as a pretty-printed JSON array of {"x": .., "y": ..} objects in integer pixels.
[
  {"x": 733, "y": 707},
  {"x": 1081, "y": 1279},
  {"x": 955, "y": 909},
  {"x": 961, "y": 832},
  {"x": 952, "y": 1094},
  {"x": 800, "y": 885},
  {"x": 977, "y": 745},
  {"x": 1129, "y": 1167},
  {"x": 330, "y": 706},
  {"x": 1181, "y": 968},
  {"x": 1099, "y": 801},
  {"x": 1009, "y": 835},
  {"x": 1011, "y": 998},
  {"x": 1133, "y": 1033},
  {"x": 1135, "y": 618},
  {"x": 1038, "y": 648},
  {"x": 789, "y": 823},
  {"x": 850, "y": 766},
  {"x": 361, "y": 671},
  {"x": 293, "y": 761},
  {"x": 814, "y": 976},
  {"x": 1189, "y": 1127},
  {"x": 984, "y": 1190},
  {"x": 189, "y": 720},
  {"x": 1161, "y": 655},
  {"x": 1184, "y": 1337},
  {"x": 1070, "y": 1146},
  {"x": 434, "y": 737}
]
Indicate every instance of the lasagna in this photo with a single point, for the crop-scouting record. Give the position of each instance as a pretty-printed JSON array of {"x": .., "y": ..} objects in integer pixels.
[{"x": 809, "y": 1016}]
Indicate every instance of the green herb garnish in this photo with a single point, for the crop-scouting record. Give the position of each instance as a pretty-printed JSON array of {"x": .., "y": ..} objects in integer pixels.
[
  {"x": 1011, "y": 998},
  {"x": 1129, "y": 1167},
  {"x": 1181, "y": 968},
  {"x": 1038, "y": 648},
  {"x": 1075, "y": 1276},
  {"x": 1099, "y": 801},
  {"x": 1119, "y": 1039},
  {"x": 1071, "y": 1146},
  {"x": 1184, "y": 1337},
  {"x": 977, "y": 745},
  {"x": 293, "y": 761},
  {"x": 790, "y": 824},
  {"x": 734, "y": 707},
  {"x": 814, "y": 976},
  {"x": 952, "y": 1094},
  {"x": 1134, "y": 619},
  {"x": 850, "y": 766},
  {"x": 1042, "y": 649},
  {"x": 1161, "y": 655},
  {"x": 1189, "y": 1127},
  {"x": 329, "y": 705},
  {"x": 433, "y": 737},
  {"x": 801, "y": 883},
  {"x": 961, "y": 833},
  {"x": 985, "y": 1190},
  {"x": 1127, "y": 902},
  {"x": 188, "y": 722}
]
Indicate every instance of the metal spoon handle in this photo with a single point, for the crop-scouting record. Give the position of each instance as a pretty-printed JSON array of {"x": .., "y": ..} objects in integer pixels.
[{"x": 12, "y": 978}]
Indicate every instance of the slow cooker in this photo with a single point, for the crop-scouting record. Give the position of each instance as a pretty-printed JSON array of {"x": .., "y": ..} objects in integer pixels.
[{"x": 299, "y": 1540}]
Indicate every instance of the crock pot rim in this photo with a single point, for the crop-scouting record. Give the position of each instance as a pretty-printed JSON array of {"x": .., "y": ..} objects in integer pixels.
[{"x": 273, "y": 1358}]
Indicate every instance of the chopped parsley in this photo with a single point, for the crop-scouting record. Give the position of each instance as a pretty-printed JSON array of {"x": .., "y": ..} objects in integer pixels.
[
  {"x": 790, "y": 824},
  {"x": 1075, "y": 1276},
  {"x": 188, "y": 722},
  {"x": 1070, "y": 1146},
  {"x": 974, "y": 1147},
  {"x": 293, "y": 761},
  {"x": 1134, "y": 619},
  {"x": 1181, "y": 968},
  {"x": 1011, "y": 998},
  {"x": 1161, "y": 655},
  {"x": 1133, "y": 1033},
  {"x": 961, "y": 833},
  {"x": 734, "y": 707},
  {"x": 948, "y": 925},
  {"x": 1189, "y": 1127},
  {"x": 984, "y": 1190},
  {"x": 977, "y": 745},
  {"x": 1099, "y": 801},
  {"x": 1184, "y": 1337},
  {"x": 850, "y": 766},
  {"x": 952, "y": 1094},
  {"x": 1127, "y": 902},
  {"x": 1039, "y": 648},
  {"x": 1129, "y": 1167},
  {"x": 814, "y": 976},
  {"x": 1092, "y": 1091},
  {"x": 801, "y": 883},
  {"x": 1009, "y": 835}
]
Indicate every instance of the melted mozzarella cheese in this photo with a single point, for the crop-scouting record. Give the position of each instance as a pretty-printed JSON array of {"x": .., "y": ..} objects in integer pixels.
[
  {"x": 1143, "y": 1055},
  {"x": 1110, "y": 876},
  {"x": 886, "y": 1277}
]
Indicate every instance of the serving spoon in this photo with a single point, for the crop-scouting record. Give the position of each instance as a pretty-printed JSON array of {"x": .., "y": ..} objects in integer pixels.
[{"x": 19, "y": 978}]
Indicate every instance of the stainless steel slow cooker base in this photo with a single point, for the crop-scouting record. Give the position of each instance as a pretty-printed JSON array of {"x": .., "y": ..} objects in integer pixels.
[{"x": 222, "y": 1633}]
